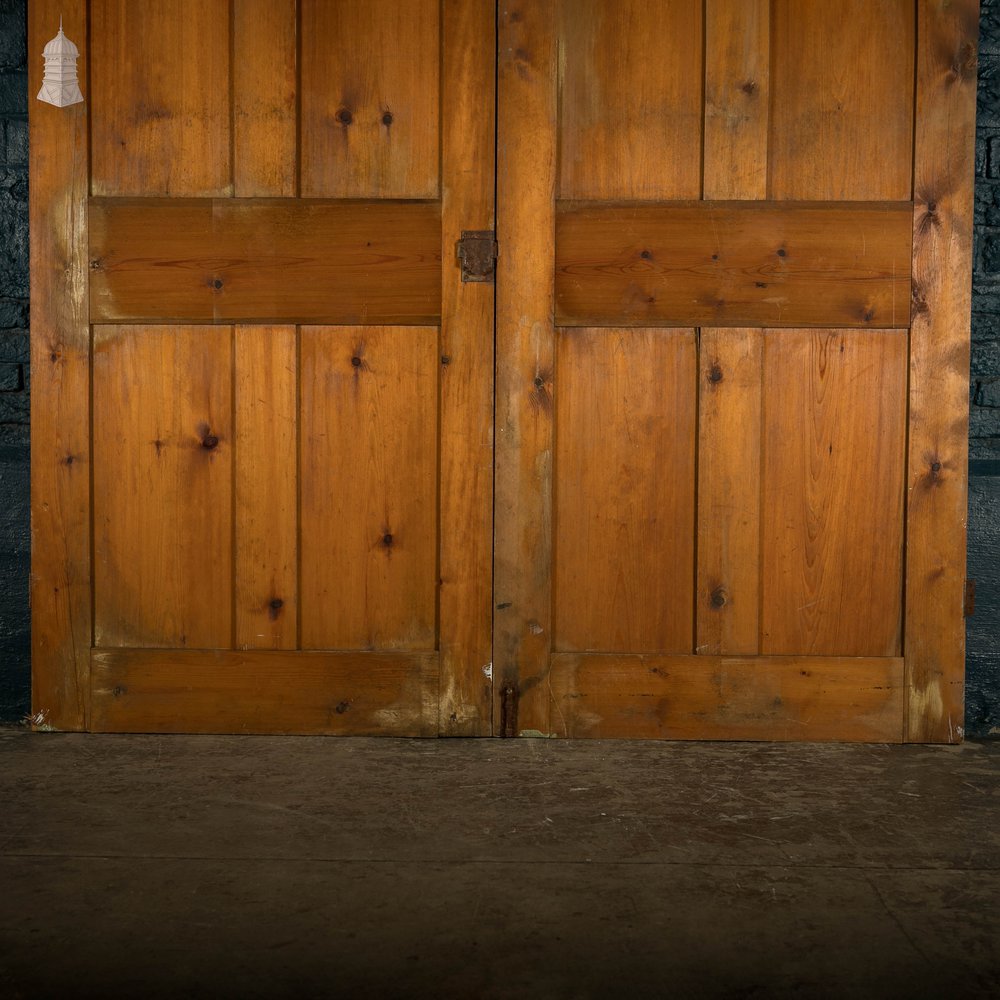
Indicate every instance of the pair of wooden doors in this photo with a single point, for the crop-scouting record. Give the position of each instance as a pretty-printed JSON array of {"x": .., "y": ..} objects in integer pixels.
[{"x": 694, "y": 467}]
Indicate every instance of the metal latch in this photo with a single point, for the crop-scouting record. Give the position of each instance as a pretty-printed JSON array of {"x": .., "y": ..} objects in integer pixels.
[{"x": 477, "y": 253}]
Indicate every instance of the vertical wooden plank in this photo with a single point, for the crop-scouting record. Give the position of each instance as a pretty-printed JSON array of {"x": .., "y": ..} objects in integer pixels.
[
  {"x": 737, "y": 92},
  {"x": 626, "y": 412},
  {"x": 842, "y": 100},
  {"x": 162, "y": 404},
  {"x": 368, "y": 412},
  {"x": 161, "y": 98},
  {"x": 834, "y": 447},
  {"x": 60, "y": 376},
  {"x": 264, "y": 98},
  {"x": 728, "y": 610},
  {"x": 526, "y": 179},
  {"x": 370, "y": 98},
  {"x": 468, "y": 138},
  {"x": 630, "y": 95},
  {"x": 939, "y": 369},
  {"x": 266, "y": 507}
]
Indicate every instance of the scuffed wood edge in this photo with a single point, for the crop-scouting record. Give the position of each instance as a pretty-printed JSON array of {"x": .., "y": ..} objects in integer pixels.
[
  {"x": 60, "y": 373},
  {"x": 264, "y": 691},
  {"x": 937, "y": 476},
  {"x": 650, "y": 696},
  {"x": 466, "y": 485}
]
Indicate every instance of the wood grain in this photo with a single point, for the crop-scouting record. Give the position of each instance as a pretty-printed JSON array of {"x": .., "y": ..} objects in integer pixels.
[
  {"x": 265, "y": 260},
  {"x": 626, "y": 418},
  {"x": 630, "y": 118},
  {"x": 266, "y": 502},
  {"x": 841, "y": 100},
  {"x": 160, "y": 98},
  {"x": 162, "y": 411},
  {"x": 737, "y": 93},
  {"x": 265, "y": 140},
  {"x": 729, "y": 436},
  {"x": 733, "y": 264},
  {"x": 264, "y": 691},
  {"x": 834, "y": 472},
  {"x": 467, "y": 361},
  {"x": 61, "y": 619},
  {"x": 526, "y": 180},
  {"x": 368, "y": 461},
  {"x": 370, "y": 95},
  {"x": 728, "y": 698},
  {"x": 939, "y": 369}
]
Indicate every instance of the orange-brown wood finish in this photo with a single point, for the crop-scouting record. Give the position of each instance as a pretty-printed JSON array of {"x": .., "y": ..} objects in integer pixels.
[
  {"x": 768, "y": 173},
  {"x": 937, "y": 485},
  {"x": 291, "y": 385},
  {"x": 733, "y": 264},
  {"x": 707, "y": 482},
  {"x": 267, "y": 261},
  {"x": 61, "y": 621}
]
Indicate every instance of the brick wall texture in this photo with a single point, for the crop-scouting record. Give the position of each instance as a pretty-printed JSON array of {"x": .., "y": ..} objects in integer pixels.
[{"x": 983, "y": 675}]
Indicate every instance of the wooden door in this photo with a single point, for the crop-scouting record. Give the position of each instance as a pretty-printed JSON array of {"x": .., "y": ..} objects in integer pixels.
[
  {"x": 262, "y": 413},
  {"x": 733, "y": 303}
]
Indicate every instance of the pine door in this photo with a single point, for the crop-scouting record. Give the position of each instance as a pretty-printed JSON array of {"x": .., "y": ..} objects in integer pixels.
[
  {"x": 733, "y": 301},
  {"x": 263, "y": 410},
  {"x": 722, "y": 403}
]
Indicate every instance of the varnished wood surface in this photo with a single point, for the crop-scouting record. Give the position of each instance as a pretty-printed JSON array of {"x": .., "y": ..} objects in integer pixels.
[
  {"x": 465, "y": 593},
  {"x": 841, "y": 100},
  {"x": 939, "y": 369},
  {"x": 266, "y": 487},
  {"x": 834, "y": 433},
  {"x": 160, "y": 98},
  {"x": 163, "y": 516},
  {"x": 368, "y": 461},
  {"x": 626, "y": 423},
  {"x": 265, "y": 77},
  {"x": 526, "y": 184},
  {"x": 737, "y": 98},
  {"x": 370, "y": 98},
  {"x": 264, "y": 691},
  {"x": 729, "y": 498},
  {"x": 260, "y": 260},
  {"x": 630, "y": 118},
  {"x": 733, "y": 264},
  {"x": 807, "y": 698},
  {"x": 61, "y": 619}
]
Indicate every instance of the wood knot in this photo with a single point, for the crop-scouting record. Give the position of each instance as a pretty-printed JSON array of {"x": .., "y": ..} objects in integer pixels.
[
  {"x": 96, "y": 264},
  {"x": 715, "y": 372},
  {"x": 342, "y": 707},
  {"x": 387, "y": 540},
  {"x": 216, "y": 283},
  {"x": 209, "y": 441},
  {"x": 356, "y": 361},
  {"x": 445, "y": 360},
  {"x": 117, "y": 691},
  {"x": 782, "y": 252},
  {"x": 274, "y": 607},
  {"x": 539, "y": 382},
  {"x": 646, "y": 255},
  {"x": 718, "y": 598},
  {"x": 749, "y": 87},
  {"x": 387, "y": 118},
  {"x": 344, "y": 116}
]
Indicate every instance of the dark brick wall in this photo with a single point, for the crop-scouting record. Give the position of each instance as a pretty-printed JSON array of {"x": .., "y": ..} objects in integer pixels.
[
  {"x": 14, "y": 376},
  {"x": 983, "y": 700}
]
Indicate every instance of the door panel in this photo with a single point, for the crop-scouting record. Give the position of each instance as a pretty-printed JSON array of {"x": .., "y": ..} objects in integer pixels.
[
  {"x": 163, "y": 474},
  {"x": 291, "y": 382},
  {"x": 623, "y": 568},
  {"x": 369, "y": 492},
  {"x": 790, "y": 553}
]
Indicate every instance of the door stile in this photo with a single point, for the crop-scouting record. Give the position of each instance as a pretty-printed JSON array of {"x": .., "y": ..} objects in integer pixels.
[
  {"x": 60, "y": 373},
  {"x": 468, "y": 145},
  {"x": 526, "y": 184},
  {"x": 937, "y": 476}
]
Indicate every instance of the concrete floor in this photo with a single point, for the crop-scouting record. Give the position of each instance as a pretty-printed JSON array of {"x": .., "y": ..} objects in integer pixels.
[{"x": 153, "y": 866}]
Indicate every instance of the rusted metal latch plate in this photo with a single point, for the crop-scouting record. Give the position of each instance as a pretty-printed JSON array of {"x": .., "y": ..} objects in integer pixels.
[{"x": 477, "y": 253}]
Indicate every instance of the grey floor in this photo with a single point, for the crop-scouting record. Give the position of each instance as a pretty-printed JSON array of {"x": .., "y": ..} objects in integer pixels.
[{"x": 155, "y": 866}]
